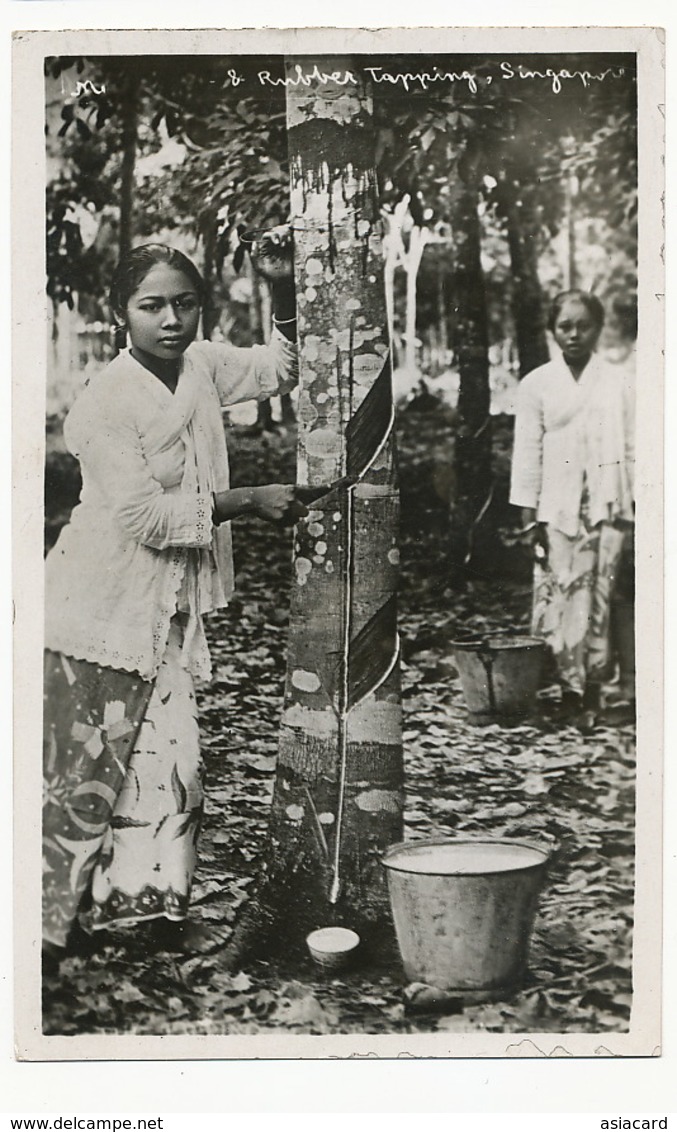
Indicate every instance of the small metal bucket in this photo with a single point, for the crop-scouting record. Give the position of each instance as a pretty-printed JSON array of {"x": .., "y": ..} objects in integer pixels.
[{"x": 499, "y": 675}]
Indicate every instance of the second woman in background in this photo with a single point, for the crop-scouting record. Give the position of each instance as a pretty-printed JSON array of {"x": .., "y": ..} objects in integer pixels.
[{"x": 572, "y": 476}]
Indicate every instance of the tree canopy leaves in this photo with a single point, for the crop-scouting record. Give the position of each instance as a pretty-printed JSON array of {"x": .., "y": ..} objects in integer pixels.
[{"x": 520, "y": 120}]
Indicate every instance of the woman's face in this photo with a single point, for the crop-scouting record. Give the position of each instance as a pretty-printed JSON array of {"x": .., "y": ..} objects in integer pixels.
[
  {"x": 576, "y": 331},
  {"x": 162, "y": 314}
]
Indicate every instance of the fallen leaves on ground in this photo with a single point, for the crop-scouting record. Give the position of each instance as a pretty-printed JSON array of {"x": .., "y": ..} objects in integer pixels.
[{"x": 535, "y": 780}]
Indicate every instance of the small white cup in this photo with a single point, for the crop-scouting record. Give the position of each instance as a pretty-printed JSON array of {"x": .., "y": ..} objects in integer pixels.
[{"x": 332, "y": 948}]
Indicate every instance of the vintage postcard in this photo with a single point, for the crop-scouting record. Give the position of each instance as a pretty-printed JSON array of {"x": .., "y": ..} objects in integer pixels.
[{"x": 326, "y": 350}]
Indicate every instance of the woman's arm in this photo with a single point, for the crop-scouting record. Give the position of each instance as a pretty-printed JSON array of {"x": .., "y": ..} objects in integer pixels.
[
  {"x": 526, "y": 473},
  {"x": 273, "y": 258},
  {"x": 111, "y": 457},
  {"x": 527, "y": 467},
  {"x": 274, "y": 502},
  {"x": 284, "y": 308},
  {"x": 258, "y": 372},
  {"x": 252, "y": 373}
]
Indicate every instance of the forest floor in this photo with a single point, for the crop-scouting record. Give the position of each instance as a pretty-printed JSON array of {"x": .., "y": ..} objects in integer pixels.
[{"x": 537, "y": 779}]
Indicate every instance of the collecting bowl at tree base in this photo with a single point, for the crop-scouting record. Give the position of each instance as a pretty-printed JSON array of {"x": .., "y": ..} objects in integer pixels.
[{"x": 332, "y": 948}]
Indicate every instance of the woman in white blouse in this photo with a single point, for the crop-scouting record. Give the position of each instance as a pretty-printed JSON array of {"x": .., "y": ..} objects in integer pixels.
[
  {"x": 146, "y": 554},
  {"x": 572, "y": 476}
]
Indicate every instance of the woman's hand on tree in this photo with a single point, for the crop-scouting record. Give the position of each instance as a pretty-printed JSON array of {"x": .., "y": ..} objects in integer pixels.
[
  {"x": 281, "y": 503},
  {"x": 273, "y": 254},
  {"x": 278, "y": 503}
]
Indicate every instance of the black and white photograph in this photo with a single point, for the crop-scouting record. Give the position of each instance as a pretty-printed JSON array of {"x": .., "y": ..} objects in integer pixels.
[{"x": 346, "y": 385}]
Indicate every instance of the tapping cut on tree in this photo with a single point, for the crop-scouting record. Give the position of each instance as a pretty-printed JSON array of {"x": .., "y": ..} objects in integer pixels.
[{"x": 338, "y": 792}]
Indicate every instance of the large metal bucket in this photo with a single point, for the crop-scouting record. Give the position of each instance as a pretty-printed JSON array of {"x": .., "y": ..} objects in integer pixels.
[
  {"x": 464, "y": 911},
  {"x": 499, "y": 675}
]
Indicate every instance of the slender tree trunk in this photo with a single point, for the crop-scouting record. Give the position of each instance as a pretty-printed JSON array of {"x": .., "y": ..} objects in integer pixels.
[
  {"x": 442, "y": 316},
  {"x": 410, "y": 322},
  {"x": 130, "y": 112},
  {"x": 389, "y": 281},
  {"x": 522, "y": 229},
  {"x": 210, "y": 315},
  {"x": 287, "y": 409},
  {"x": 473, "y": 433},
  {"x": 286, "y": 404},
  {"x": 412, "y": 262},
  {"x": 395, "y": 256},
  {"x": 571, "y": 276},
  {"x": 338, "y": 792},
  {"x": 264, "y": 409}
]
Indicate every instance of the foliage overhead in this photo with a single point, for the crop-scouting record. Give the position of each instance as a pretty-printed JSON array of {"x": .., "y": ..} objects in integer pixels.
[{"x": 535, "y": 133}]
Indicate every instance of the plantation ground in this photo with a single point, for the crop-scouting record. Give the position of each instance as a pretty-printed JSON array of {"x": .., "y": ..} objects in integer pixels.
[{"x": 534, "y": 779}]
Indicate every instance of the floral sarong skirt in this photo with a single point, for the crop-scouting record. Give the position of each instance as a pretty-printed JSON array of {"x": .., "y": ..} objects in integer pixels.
[
  {"x": 572, "y": 601},
  {"x": 123, "y": 793}
]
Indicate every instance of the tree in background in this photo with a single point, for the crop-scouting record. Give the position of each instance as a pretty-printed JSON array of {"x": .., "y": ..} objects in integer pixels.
[
  {"x": 520, "y": 208},
  {"x": 229, "y": 163},
  {"x": 500, "y": 148},
  {"x": 472, "y": 456},
  {"x": 442, "y": 168},
  {"x": 525, "y": 143}
]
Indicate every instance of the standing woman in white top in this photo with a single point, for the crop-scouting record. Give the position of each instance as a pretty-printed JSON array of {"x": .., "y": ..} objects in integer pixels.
[
  {"x": 146, "y": 554},
  {"x": 572, "y": 476}
]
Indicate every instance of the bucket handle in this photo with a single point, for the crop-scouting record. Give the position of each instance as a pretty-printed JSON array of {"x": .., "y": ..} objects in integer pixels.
[{"x": 486, "y": 658}]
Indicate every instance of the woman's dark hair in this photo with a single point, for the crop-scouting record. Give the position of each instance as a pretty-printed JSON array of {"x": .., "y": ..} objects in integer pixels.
[
  {"x": 591, "y": 303},
  {"x": 135, "y": 265}
]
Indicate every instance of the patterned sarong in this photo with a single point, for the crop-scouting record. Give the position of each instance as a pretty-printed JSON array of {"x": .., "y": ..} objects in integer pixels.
[
  {"x": 123, "y": 793},
  {"x": 572, "y": 601},
  {"x": 92, "y": 717}
]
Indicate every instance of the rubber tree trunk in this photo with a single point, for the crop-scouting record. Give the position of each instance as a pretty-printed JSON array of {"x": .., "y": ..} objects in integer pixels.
[
  {"x": 529, "y": 315},
  {"x": 393, "y": 249},
  {"x": 442, "y": 316},
  {"x": 396, "y": 255},
  {"x": 287, "y": 409},
  {"x": 130, "y": 110},
  {"x": 338, "y": 792},
  {"x": 412, "y": 262},
  {"x": 571, "y": 273},
  {"x": 210, "y": 314},
  {"x": 264, "y": 411},
  {"x": 471, "y": 343}
]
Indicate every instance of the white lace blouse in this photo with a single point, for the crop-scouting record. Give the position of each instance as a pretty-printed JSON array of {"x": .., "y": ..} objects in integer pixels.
[
  {"x": 573, "y": 434},
  {"x": 140, "y": 544}
]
